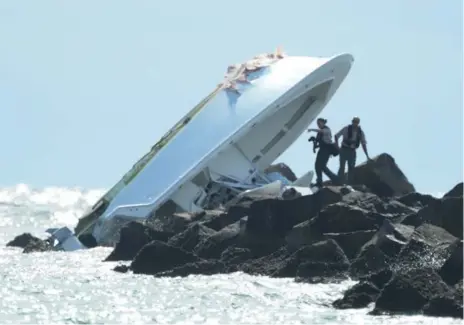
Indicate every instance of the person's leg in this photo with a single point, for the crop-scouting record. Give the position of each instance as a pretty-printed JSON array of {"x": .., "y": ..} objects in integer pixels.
[
  {"x": 341, "y": 169},
  {"x": 351, "y": 159},
  {"x": 331, "y": 175},
  {"x": 318, "y": 168},
  {"x": 324, "y": 156}
]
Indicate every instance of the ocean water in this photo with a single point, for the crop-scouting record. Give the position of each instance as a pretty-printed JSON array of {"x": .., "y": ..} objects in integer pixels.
[{"x": 77, "y": 288}]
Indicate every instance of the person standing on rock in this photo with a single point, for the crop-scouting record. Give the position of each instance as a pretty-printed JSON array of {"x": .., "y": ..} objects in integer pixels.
[
  {"x": 353, "y": 136},
  {"x": 327, "y": 148}
]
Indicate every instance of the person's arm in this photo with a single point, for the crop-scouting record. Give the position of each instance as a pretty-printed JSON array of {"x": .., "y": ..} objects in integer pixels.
[
  {"x": 339, "y": 134},
  {"x": 364, "y": 145},
  {"x": 315, "y": 130}
]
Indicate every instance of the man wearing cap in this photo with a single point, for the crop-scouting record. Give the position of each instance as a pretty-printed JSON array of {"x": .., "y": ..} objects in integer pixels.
[{"x": 353, "y": 136}]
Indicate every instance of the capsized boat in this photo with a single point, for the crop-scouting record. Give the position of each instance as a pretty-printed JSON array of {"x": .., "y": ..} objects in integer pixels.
[{"x": 220, "y": 150}]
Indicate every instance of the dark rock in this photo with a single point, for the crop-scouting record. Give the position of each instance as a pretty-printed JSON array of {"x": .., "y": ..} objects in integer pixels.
[
  {"x": 444, "y": 306},
  {"x": 324, "y": 259},
  {"x": 388, "y": 207},
  {"x": 391, "y": 238},
  {"x": 212, "y": 247},
  {"x": 301, "y": 235},
  {"x": 327, "y": 251},
  {"x": 236, "y": 255},
  {"x": 23, "y": 240},
  {"x": 335, "y": 218},
  {"x": 445, "y": 213},
  {"x": 37, "y": 246},
  {"x": 351, "y": 242},
  {"x": 205, "y": 267},
  {"x": 217, "y": 220},
  {"x": 121, "y": 268},
  {"x": 191, "y": 237},
  {"x": 383, "y": 177},
  {"x": 379, "y": 279},
  {"x": 88, "y": 240},
  {"x": 341, "y": 217},
  {"x": 320, "y": 272},
  {"x": 132, "y": 238},
  {"x": 456, "y": 191},
  {"x": 274, "y": 217},
  {"x": 168, "y": 225},
  {"x": 283, "y": 169},
  {"x": 358, "y": 296},
  {"x": 158, "y": 256},
  {"x": 458, "y": 287},
  {"x": 416, "y": 200},
  {"x": 369, "y": 260},
  {"x": 410, "y": 291},
  {"x": 276, "y": 265},
  {"x": 30, "y": 243},
  {"x": 451, "y": 271},
  {"x": 427, "y": 248}
]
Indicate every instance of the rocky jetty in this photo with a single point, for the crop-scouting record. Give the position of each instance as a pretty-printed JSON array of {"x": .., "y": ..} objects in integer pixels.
[{"x": 404, "y": 248}]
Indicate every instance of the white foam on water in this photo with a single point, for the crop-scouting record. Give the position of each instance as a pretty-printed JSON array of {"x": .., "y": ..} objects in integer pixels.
[{"x": 77, "y": 287}]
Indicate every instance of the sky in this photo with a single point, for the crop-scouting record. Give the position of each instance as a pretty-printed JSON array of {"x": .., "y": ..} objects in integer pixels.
[{"x": 87, "y": 87}]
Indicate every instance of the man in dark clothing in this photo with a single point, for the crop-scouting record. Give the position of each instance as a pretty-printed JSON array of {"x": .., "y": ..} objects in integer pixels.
[
  {"x": 353, "y": 136},
  {"x": 326, "y": 149}
]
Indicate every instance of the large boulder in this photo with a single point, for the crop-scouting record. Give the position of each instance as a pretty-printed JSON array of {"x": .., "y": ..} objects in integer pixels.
[
  {"x": 416, "y": 200},
  {"x": 158, "y": 256},
  {"x": 274, "y": 217},
  {"x": 23, "y": 240},
  {"x": 383, "y": 177},
  {"x": 358, "y": 296},
  {"x": 132, "y": 238},
  {"x": 203, "y": 267},
  {"x": 409, "y": 291},
  {"x": 211, "y": 247},
  {"x": 218, "y": 219},
  {"x": 428, "y": 247},
  {"x": 365, "y": 291},
  {"x": 191, "y": 237},
  {"x": 339, "y": 217},
  {"x": 456, "y": 191},
  {"x": 452, "y": 269},
  {"x": 356, "y": 216},
  {"x": 377, "y": 254},
  {"x": 389, "y": 207},
  {"x": 170, "y": 224},
  {"x": 276, "y": 264},
  {"x": 369, "y": 260},
  {"x": 236, "y": 255},
  {"x": 378, "y": 279},
  {"x": 30, "y": 243},
  {"x": 343, "y": 217},
  {"x": 446, "y": 213},
  {"x": 447, "y": 305},
  {"x": 351, "y": 242},
  {"x": 391, "y": 238},
  {"x": 321, "y": 261}
]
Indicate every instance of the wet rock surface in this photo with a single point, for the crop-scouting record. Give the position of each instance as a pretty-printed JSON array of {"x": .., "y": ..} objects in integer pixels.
[
  {"x": 404, "y": 247},
  {"x": 29, "y": 243}
]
